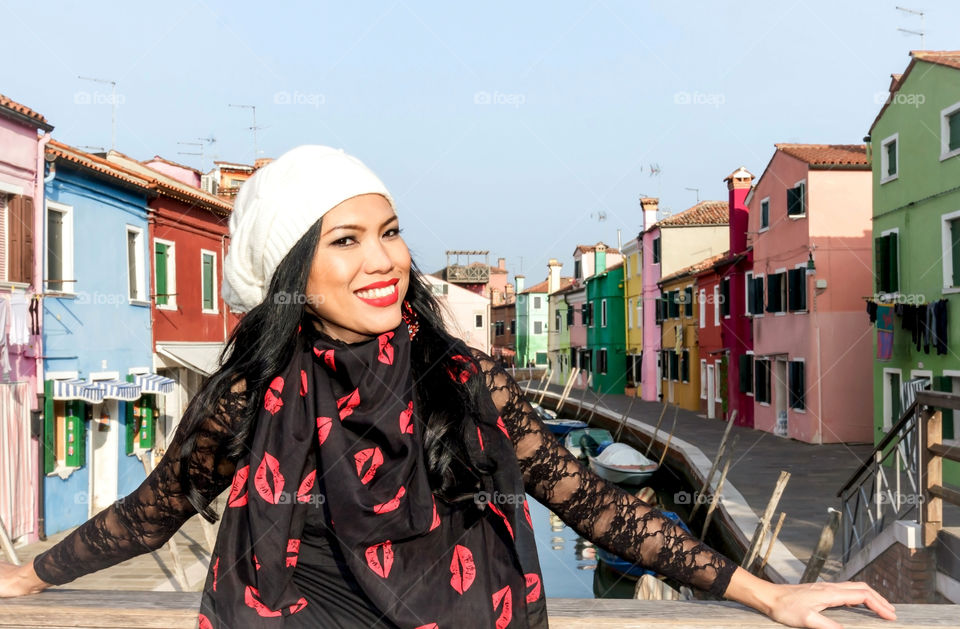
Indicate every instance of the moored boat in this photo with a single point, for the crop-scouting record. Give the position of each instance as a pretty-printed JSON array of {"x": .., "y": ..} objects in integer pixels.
[
  {"x": 595, "y": 440},
  {"x": 619, "y": 463}
]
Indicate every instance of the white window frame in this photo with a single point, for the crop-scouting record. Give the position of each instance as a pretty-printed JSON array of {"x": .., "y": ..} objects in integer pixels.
[
  {"x": 748, "y": 282},
  {"x": 753, "y": 379},
  {"x": 215, "y": 309},
  {"x": 716, "y": 304},
  {"x": 171, "y": 273},
  {"x": 884, "y": 160},
  {"x": 790, "y": 409},
  {"x": 475, "y": 315},
  {"x": 141, "y": 296},
  {"x": 763, "y": 310},
  {"x": 602, "y": 352},
  {"x": 886, "y": 420},
  {"x": 67, "y": 253},
  {"x": 630, "y": 313},
  {"x": 603, "y": 314},
  {"x": 763, "y": 227},
  {"x": 803, "y": 204},
  {"x": 806, "y": 291},
  {"x": 947, "y": 256},
  {"x": 703, "y": 378},
  {"x": 784, "y": 292},
  {"x": 945, "y": 113},
  {"x": 703, "y": 307},
  {"x": 770, "y": 387}
]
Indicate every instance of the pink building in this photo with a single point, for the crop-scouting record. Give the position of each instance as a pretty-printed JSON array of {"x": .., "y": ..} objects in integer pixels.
[
  {"x": 21, "y": 263},
  {"x": 810, "y": 226}
]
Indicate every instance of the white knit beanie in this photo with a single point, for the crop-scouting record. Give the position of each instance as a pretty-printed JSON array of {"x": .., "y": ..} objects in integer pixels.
[{"x": 276, "y": 207}]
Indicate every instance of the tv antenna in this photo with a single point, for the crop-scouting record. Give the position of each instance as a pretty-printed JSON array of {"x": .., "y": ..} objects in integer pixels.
[
  {"x": 907, "y": 31},
  {"x": 697, "y": 190},
  {"x": 253, "y": 108},
  {"x": 113, "y": 107},
  {"x": 202, "y": 142}
]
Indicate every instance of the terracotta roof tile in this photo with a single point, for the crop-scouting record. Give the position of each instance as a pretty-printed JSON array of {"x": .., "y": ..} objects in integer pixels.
[
  {"x": 949, "y": 58},
  {"x": 565, "y": 282},
  {"x": 171, "y": 187},
  {"x": 590, "y": 248},
  {"x": 95, "y": 163},
  {"x": 695, "y": 268},
  {"x": 851, "y": 156},
  {"x": 703, "y": 213},
  {"x": 24, "y": 111},
  {"x": 157, "y": 158}
]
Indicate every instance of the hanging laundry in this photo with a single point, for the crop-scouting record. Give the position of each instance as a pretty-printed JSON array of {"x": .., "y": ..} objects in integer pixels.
[
  {"x": 872, "y": 311},
  {"x": 940, "y": 326},
  {"x": 884, "y": 331},
  {"x": 34, "y": 315},
  {"x": 921, "y": 323},
  {"x": 928, "y": 337},
  {"x": 19, "y": 331}
]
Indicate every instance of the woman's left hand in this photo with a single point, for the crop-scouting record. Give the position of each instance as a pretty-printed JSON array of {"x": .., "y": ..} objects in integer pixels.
[{"x": 800, "y": 605}]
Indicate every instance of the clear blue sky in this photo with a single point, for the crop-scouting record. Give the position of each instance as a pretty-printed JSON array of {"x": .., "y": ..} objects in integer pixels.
[{"x": 583, "y": 97}]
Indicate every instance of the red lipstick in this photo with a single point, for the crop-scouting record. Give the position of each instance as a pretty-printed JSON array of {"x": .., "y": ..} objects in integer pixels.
[{"x": 380, "y": 302}]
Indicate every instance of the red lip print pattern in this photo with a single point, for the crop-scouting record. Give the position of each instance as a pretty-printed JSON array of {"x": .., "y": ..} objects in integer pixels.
[
  {"x": 303, "y": 383},
  {"x": 480, "y": 438},
  {"x": 204, "y": 623},
  {"x": 375, "y": 456},
  {"x": 392, "y": 504},
  {"x": 462, "y": 569},
  {"x": 386, "y": 349},
  {"x": 238, "y": 489},
  {"x": 323, "y": 428},
  {"x": 347, "y": 403},
  {"x": 380, "y": 568},
  {"x": 526, "y": 512},
  {"x": 326, "y": 355},
  {"x": 533, "y": 585},
  {"x": 436, "y": 516},
  {"x": 251, "y": 597},
  {"x": 303, "y": 492},
  {"x": 271, "y": 399},
  {"x": 270, "y": 489},
  {"x": 430, "y": 625},
  {"x": 502, "y": 427},
  {"x": 506, "y": 613},
  {"x": 466, "y": 371},
  {"x": 256, "y": 563},
  {"x": 506, "y": 522},
  {"x": 216, "y": 567},
  {"x": 293, "y": 552},
  {"x": 406, "y": 419}
]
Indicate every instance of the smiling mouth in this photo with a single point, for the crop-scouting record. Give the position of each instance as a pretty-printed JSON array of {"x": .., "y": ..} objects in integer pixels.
[{"x": 377, "y": 293}]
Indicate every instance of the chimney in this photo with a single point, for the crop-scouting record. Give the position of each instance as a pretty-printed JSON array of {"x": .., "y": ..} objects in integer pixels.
[
  {"x": 600, "y": 258},
  {"x": 739, "y": 183},
  {"x": 553, "y": 280},
  {"x": 649, "y": 205},
  {"x": 502, "y": 264},
  {"x": 519, "y": 279}
]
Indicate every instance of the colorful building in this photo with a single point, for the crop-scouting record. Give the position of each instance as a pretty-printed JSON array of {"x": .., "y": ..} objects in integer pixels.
[
  {"x": 23, "y": 134},
  {"x": 633, "y": 306},
  {"x": 915, "y": 143},
  {"x": 465, "y": 313},
  {"x": 678, "y": 316},
  {"x": 809, "y": 221},
  {"x": 576, "y": 298},
  {"x": 503, "y": 318},
  {"x": 558, "y": 329},
  {"x": 100, "y": 398},
  {"x": 712, "y": 303},
  {"x": 605, "y": 327},
  {"x": 532, "y": 313}
]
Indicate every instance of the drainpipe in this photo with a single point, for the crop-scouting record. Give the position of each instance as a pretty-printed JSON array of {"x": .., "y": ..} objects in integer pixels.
[
  {"x": 39, "y": 194},
  {"x": 223, "y": 255}
]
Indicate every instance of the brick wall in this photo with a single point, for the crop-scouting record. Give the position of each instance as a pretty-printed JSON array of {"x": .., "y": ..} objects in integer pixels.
[{"x": 903, "y": 575}]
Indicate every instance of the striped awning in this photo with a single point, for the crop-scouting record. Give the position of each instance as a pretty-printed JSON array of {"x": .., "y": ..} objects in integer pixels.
[
  {"x": 77, "y": 390},
  {"x": 154, "y": 383},
  {"x": 118, "y": 390}
]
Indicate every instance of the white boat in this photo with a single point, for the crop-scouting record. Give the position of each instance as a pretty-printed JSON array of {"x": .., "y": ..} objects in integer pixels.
[
  {"x": 619, "y": 463},
  {"x": 601, "y": 439}
]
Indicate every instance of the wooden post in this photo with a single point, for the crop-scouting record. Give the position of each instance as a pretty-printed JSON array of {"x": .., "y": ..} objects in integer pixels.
[
  {"x": 822, "y": 551},
  {"x": 666, "y": 447},
  {"x": 624, "y": 419},
  {"x": 715, "y": 498},
  {"x": 544, "y": 383},
  {"x": 764, "y": 523},
  {"x": 776, "y": 532},
  {"x": 716, "y": 461},
  {"x": 7, "y": 544},
  {"x": 583, "y": 396},
  {"x": 656, "y": 430},
  {"x": 574, "y": 372},
  {"x": 932, "y": 466}
]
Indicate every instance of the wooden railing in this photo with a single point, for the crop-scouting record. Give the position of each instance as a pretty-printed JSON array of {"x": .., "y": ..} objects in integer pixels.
[{"x": 94, "y": 609}]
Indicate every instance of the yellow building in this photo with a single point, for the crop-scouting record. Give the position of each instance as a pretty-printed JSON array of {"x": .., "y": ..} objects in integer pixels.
[
  {"x": 633, "y": 303},
  {"x": 678, "y": 313}
]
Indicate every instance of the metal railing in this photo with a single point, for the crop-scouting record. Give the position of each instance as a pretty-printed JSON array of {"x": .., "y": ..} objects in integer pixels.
[{"x": 902, "y": 478}]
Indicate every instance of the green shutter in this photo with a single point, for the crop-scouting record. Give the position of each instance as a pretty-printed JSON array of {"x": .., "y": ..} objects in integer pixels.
[
  {"x": 131, "y": 424},
  {"x": 49, "y": 429},
  {"x": 207, "y": 282},
  {"x": 945, "y": 383},
  {"x": 160, "y": 272},
  {"x": 893, "y": 257},
  {"x": 879, "y": 262},
  {"x": 953, "y": 122},
  {"x": 955, "y": 244},
  {"x": 793, "y": 201},
  {"x": 891, "y": 158}
]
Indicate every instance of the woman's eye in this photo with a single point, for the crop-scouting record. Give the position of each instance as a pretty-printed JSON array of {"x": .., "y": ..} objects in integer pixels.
[
  {"x": 342, "y": 242},
  {"x": 392, "y": 232}
]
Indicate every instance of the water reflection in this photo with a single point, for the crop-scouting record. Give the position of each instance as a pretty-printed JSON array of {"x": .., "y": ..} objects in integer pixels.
[{"x": 567, "y": 561}]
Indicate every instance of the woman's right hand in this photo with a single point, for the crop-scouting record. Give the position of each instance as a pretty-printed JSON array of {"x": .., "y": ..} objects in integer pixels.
[{"x": 19, "y": 580}]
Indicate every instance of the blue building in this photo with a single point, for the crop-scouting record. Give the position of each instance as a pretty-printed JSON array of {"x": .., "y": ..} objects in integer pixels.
[{"x": 100, "y": 396}]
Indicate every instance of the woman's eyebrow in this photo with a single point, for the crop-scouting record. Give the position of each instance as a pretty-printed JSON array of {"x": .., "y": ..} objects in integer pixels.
[{"x": 360, "y": 227}]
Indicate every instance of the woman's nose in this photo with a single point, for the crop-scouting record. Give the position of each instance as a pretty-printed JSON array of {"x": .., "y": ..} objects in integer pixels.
[{"x": 376, "y": 258}]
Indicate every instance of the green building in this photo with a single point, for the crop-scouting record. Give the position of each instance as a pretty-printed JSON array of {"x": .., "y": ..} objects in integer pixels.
[
  {"x": 606, "y": 328},
  {"x": 532, "y": 310},
  {"x": 915, "y": 142}
]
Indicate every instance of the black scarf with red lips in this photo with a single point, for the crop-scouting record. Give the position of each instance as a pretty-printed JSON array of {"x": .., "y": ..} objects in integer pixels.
[{"x": 423, "y": 562}]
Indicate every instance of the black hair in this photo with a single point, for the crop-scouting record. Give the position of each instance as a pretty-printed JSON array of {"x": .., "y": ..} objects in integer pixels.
[{"x": 253, "y": 356}]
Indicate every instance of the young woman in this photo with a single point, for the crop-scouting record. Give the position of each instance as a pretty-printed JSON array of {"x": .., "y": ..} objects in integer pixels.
[{"x": 377, "y": 467}]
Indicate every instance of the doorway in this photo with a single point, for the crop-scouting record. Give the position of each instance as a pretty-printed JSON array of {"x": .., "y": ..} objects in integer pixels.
[
  {"x": 711, "y": 391},
  {"x": 782, "y": 427},
  {"x": 104, "y": 446}
]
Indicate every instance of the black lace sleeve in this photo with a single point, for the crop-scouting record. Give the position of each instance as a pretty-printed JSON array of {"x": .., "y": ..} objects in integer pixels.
[
  {"x": 147, "y": 518},
  {"x": 598, "y": 510}
]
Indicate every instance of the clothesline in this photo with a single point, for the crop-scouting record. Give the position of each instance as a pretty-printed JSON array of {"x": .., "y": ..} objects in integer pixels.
[{"x": 927, "y": 324}]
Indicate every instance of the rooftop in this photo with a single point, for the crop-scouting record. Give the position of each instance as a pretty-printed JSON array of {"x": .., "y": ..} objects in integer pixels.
[
  {"x": 96, "y": 164},
  {"x": 703, "y": 213},
  {"x": 565, "y": 282},
  {"x": 695, "y": 268},
  {"x": 24, "y": 112},
  {"x": 170, "y": 186},
  {"x": 829, "y": 156},
  {"x": 947, "y": 58},
  {"x": 589, "y": 248}
]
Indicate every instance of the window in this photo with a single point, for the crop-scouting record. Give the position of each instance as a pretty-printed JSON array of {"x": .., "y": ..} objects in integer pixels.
[
  {"x": 795, "y": 378},
  {"x": 590, "y": 313},
  {"x": 797, "y": 289},
  {"x": 584, "y": 315},
  {"x": 688, "y": 301},
  {"x": 886, "y": 262},
  {"x": 630, "y": 313},
  {"x": 725, "y": 297},
  {"x": 576, "y": 269},
  {"x": 536, "y": 302},
  {"x": 888, "y": 158},
  {"x": 775, "y": 292},
  {"x": 165, "y": 274},
  {"x": 541, "y": 358},
  {"x": 59, "y": 247},
  {"x": 556, "y": 320},
  {"x": 538, "y": 327},
  {"x": 685, "y": 366},
  {"x": 748, "y": 292},
  {"x": 656, "y": 250},
  {"x": 761, "y": 380},
  {"x": 135, "y": 264},
  {"x": 797, "y": 200},
  {"x": 765, "y": 213},
  {"x": 950, "y": 131},
  {"x": 703, "y": 308},
  {"x": 439, "y": 289},
  {"x": 208, "y": 274},
  {"x": 498, "y": 328},
  {"x": 674, "y": 366},
  {"x": 569, "y": 316},
  {"x": 603, "y": 313},
  {"x": 586, "y": 359},
  {"x": 951, "y": 251},
  {"x": 746, "y": 374},
  {"x": 756, "y": 306},
  {"x": 64, "y": 432},
  {"x": 478, "y": 321},
  {"x": 602, "y": 361},
  {"x": 673, "y": 304},
  {"x": 703, "y": 379},
  {"x": 513, "y": 326},
  {"x": 661, "y": 309}
]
